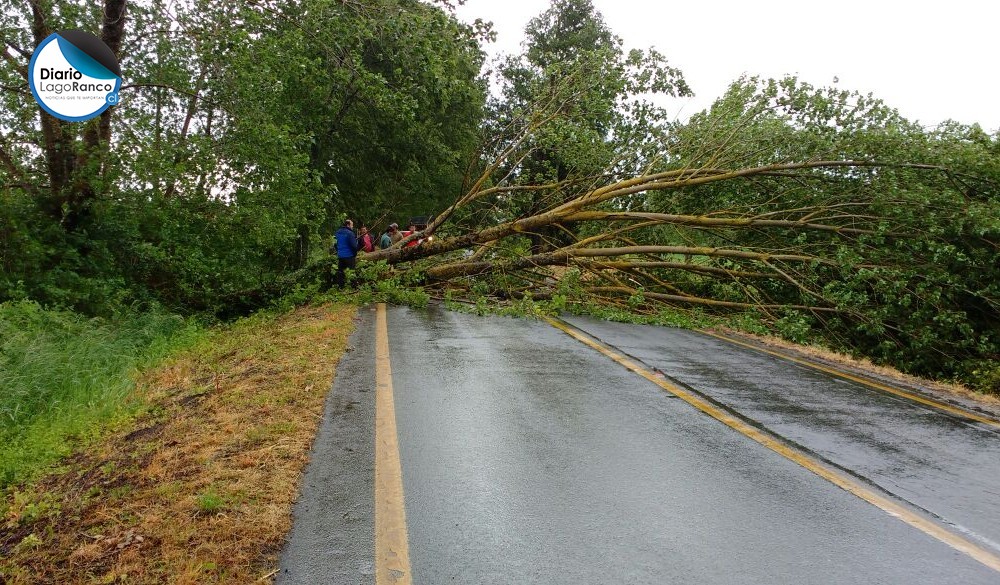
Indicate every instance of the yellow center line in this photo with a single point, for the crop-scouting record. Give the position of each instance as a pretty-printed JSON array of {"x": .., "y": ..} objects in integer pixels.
[
  {"x": 392, "y": 552},
  {"x": 951, "y": 409},
  {"x": 841, "y": 480}
]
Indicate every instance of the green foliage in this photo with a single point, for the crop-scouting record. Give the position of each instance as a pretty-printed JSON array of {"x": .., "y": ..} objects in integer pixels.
[
  {"x": 522, "y": 307},
  {"x": 28, "y": 543},
  {"x": 665, "y": 317},
  {"x": 301, "y": 294},
  {"x": 920, "y": 292},
  {"x": 982, "y": 375},
  {"x": 64, "y": 377},
  {"x": 27, "y": 506},
  {"x": 795, "y": 327},
  {"x": 748, "y": 321},
  {"x": 389, "y": 94},
  {"x": 247, "y": 128},
  {"x": 576, "y": 74},
  {"x": 378, "y": 282}
]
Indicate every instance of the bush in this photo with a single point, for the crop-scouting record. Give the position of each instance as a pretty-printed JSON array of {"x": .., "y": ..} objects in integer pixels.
[{"x": 982, "y": 375}]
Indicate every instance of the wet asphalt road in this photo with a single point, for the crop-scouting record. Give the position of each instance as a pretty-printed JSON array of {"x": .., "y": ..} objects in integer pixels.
[
  {"x": 530, "y": 458},
  {"x": 945, "y": 465}
]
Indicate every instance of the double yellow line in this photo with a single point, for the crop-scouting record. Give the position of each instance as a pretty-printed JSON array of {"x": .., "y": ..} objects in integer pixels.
[{"x": 814, "y": 465}]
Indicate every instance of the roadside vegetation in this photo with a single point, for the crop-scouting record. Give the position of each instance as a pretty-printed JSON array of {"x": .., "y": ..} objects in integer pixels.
[
  {"x": 198, "y": 488},
  {"x": 65, "y": 377},
  {"x": 247, "y": 132}
]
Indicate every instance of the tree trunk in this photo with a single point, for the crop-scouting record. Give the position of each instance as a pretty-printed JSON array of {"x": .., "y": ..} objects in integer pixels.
[{"x": 73, "y": 160}]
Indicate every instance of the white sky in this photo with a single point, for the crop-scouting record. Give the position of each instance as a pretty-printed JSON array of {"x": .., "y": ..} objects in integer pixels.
[{"x": 931, "y": 60}]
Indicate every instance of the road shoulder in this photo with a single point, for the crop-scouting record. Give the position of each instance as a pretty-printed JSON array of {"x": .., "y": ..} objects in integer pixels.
[
  {"x": 946, "y": 393},
  {"x": 332, "y": 536}
]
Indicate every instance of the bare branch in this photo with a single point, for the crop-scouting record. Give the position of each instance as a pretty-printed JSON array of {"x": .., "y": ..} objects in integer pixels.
[
  {"x": 668, "y": 298},
  {"x": 702, "y": 221}
]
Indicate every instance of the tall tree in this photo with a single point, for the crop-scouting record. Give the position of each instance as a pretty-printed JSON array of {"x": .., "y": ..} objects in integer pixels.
[
  {"x": 391, "y": 95},
  {"x": 242, "y": 128},
  {"x": 598, "y": 94},
  {"x": 56, "y": 171}
]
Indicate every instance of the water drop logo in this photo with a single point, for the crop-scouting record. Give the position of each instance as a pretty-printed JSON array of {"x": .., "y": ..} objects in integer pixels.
[{"x": 74, "y": 76}]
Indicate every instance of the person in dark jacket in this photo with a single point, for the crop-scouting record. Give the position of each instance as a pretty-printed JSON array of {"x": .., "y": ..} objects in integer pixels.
[{"x": 347, "y": 251}]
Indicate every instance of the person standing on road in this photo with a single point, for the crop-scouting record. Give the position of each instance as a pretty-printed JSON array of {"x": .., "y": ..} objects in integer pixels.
[
  {"x": 386, "y": 240},
  {"x": 394, "y": 233},
  {"x": 410, "y": 230},
  {"x": 365, "y": 240},
  {"x": 347, "y": 251}
]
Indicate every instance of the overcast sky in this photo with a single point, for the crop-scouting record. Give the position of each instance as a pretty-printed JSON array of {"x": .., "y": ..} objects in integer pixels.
[{"x": 931, "y": 60}]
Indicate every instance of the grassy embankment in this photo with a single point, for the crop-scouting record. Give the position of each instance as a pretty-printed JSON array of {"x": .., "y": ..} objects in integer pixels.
[
  {"x": 64, "y": 377},
  {"x": 192, "y": 478}
]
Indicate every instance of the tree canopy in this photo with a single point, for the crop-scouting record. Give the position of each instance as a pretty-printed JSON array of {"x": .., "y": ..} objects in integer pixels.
[{"x": 244, "y": 132}]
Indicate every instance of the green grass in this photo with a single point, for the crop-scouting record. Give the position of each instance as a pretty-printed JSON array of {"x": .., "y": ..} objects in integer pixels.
[
  {"x": 64, "y": 378},
  {"x": 209, "y": 502}
]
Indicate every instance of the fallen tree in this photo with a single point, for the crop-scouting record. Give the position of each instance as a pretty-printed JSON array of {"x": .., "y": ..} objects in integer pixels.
[
  {"x": 816, "y": 212},
  {"x": 890, "y": 250},
  {"x": 770, "y": 259}
]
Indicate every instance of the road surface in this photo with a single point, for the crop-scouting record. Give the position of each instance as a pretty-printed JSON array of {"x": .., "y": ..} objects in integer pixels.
[{"x": 527, "y": 456}]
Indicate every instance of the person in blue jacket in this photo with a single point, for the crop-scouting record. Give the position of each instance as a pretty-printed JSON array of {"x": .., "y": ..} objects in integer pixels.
[{"x": 347, "y": 251}]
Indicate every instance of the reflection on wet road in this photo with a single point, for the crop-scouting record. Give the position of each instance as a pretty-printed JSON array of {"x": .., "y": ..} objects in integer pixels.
[
  {"x": 528, "y": 457},
  {"x": 945, "y": 465}
]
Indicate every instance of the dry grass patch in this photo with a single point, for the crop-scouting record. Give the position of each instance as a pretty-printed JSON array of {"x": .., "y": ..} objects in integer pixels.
[{"x": 200, "y": 489}]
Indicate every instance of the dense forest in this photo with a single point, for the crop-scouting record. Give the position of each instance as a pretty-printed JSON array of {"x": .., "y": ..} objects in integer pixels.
[{"x": 248, "y": 131}]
